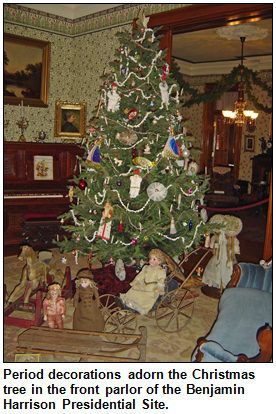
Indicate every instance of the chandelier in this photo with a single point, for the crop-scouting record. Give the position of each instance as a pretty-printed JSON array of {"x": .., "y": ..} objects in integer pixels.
[{"x": 241, "y": 114}]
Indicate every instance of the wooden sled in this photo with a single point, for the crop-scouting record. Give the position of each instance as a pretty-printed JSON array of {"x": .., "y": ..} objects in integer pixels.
[{"x": 83, "y": 344}]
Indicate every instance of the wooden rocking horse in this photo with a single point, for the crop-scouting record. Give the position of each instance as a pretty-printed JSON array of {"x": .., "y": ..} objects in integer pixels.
[{"x": 34, "y": 274}]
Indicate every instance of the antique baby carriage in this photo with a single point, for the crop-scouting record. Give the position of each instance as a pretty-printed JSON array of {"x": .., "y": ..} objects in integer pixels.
[{"x": 172, "y": 310}]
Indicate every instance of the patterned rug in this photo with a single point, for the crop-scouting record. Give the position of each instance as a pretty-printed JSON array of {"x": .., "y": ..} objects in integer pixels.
[{"x": 161, "y": 346}]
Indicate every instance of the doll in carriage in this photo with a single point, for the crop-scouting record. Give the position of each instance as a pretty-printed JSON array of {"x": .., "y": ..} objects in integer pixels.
[{"x": 147, "y": 285}]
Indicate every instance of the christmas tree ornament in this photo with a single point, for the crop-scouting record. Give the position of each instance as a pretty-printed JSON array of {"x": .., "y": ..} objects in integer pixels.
[
  {"x": 147, "y": 149},
  {"x": 78, "y": 239},
  {"x": 157, "y": 191},
  {"x": 94, "y": 156},
  {"x": 120, "y": 271},
  {"x": 152, "y": 103},
  {"x": 95, "y": 212},
  {"x": 135, "y": 183},
  {"x": 126, "y": 111},
  {"x": 134, "y": 241},
  {"x": 190, "y": 191},
  {"x": 121, "y": 226},
  {"x": 91, "y": 130},
  {"x": 71, "y": 193},
  {"x": 190, "y": 225},
  {"x": 185, "y": 153},
  {"x": 143, "y": 162},
  {"x": 111, "y": 261},
  {"x": 123, "y": 71},
  {"x": 127, "y": 137},
  {"x": 82, "y": 184},
  {"x": 173, "y": 228},
  {"x": 142, "y": 19},
  {"x": 113, "y": 99},
  {"x": 132, "y": 114},
  {"x": 171, "y": 149},
  {"x": 118, "y": 162},
  {"x": 192, "y": 169},
  {"x": 105, "y": 223},
  {"x": 73, "y": 252},
  {"x": 174, "y": 201},
  {"x": 164, "y": 92},
  {"x": 133, "y": 153},
  {"x": 154, "y": 121},
  {"x": 145, "y": 238},
  {"x": 121, "y": 49},
  {"x": 119, "y": 183}
]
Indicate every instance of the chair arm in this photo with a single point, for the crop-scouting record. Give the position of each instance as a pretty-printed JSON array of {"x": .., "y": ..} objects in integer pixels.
[{"x": 213, "y": 350}]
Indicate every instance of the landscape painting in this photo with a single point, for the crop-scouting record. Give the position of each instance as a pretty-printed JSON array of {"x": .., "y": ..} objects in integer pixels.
[{"x": 26, "y": 70}]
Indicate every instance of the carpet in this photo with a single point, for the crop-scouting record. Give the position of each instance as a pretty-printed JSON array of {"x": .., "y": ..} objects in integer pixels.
[{"x": 161, "y": 346}]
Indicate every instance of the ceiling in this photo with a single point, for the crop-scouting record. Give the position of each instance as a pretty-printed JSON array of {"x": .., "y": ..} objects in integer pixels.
[
  {"x": 198, "y": 53},
  {"x": 205, "y": 52}
]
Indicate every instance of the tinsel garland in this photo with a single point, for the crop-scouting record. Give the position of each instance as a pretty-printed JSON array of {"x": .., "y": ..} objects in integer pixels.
[{"x": 222, "y": 86}]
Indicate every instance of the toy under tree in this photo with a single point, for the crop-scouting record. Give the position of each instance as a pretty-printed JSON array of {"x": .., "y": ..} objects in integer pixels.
[{"x": 137, "y": 188}]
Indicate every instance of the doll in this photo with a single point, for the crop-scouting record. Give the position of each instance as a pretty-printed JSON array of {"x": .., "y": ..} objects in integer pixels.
[
  {"x": 87, "y": 315},
  {"x": 54, "y": 306},
  {"x": 147, "y": 285}
]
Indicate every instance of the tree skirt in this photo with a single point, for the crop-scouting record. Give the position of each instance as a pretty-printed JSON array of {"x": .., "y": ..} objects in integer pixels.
[{"x": 108, "y": 282}]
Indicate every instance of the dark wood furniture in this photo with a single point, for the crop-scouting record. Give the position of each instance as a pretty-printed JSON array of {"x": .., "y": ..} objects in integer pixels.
[
  {"x": 261, "y": 174},
  {"x": 24, "y": 194}
]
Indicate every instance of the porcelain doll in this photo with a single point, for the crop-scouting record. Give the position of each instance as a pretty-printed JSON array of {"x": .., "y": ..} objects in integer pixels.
[
  {"x": 54, "y": 307},
  {"x": 87, "y": 315},
  {"x": 147, "y": 285}
]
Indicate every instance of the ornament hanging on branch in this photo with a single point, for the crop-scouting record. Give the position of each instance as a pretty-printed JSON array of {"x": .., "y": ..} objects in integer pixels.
[
  {"x": 82, "y": 184},
  {"x": 127, "y": 137},
  {"x": 135, "y": 183},
  {"x": 113, "y": 99},
  {"x": 105, "y": 223},
  {"x": 171, "y": 149},
  {"x": 192, "y": 169},
  {"x": 157, "y": 191},
  {"x": 173, "y": 228},
  {"x": 94, "y": 156},
  {"x": 164, "y": 92},
  {"x": 71, "y": 193}
]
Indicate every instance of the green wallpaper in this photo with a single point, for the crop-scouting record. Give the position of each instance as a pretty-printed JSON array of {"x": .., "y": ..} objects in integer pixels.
[{"x": 80, "y": 50}]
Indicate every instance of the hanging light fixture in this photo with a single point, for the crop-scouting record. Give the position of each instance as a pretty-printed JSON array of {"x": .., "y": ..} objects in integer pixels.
[{"x": 241, "y": 115}]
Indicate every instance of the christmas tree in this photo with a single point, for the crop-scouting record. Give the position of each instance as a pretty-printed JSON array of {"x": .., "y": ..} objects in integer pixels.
[{"x": 137, "y": 188}]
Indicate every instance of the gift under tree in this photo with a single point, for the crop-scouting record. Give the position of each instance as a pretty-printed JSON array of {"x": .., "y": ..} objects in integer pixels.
[{"x": 138, "y": 187}]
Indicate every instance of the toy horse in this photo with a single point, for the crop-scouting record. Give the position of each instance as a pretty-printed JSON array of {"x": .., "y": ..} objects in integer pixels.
[{"x": 34, "y": 274}]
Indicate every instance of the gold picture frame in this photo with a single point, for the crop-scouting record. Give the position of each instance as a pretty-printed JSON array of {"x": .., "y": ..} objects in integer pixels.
[
  {"x": 66, "y": 112},
  {"x": 26, "y": 79},
  {"x": 249, "y": 143}
]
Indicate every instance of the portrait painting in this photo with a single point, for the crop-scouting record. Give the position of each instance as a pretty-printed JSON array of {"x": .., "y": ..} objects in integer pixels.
[
  {"x": 26, "y": 71},
  {"x": 70, "y": 120},
  {"x": 249, "y": 143}
]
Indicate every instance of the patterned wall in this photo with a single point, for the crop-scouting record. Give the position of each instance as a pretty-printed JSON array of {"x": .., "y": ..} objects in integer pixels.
[{"x": 80, "y": 50}]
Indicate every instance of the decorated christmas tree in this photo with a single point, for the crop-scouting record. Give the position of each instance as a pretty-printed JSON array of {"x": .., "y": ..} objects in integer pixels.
[{"x": 138, "y": 187}]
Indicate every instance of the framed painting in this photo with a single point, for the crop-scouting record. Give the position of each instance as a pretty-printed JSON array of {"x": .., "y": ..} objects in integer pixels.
[
  {"x": 70, "y": 120},
  {"x": 26, "y": 71},
  {"x": 249, "y": 143},
  {"x": 43, "y": 167}
]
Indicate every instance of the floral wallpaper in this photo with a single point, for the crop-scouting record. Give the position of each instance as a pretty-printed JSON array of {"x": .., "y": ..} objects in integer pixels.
[{"x": 81, "y": 50}]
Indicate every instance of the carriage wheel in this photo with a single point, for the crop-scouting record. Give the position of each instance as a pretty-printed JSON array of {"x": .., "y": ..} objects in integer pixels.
[
  {"x": 121, "y": 322},
  {"x": 175, "y": 310},
  {"x": 107, "y": 306}
]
